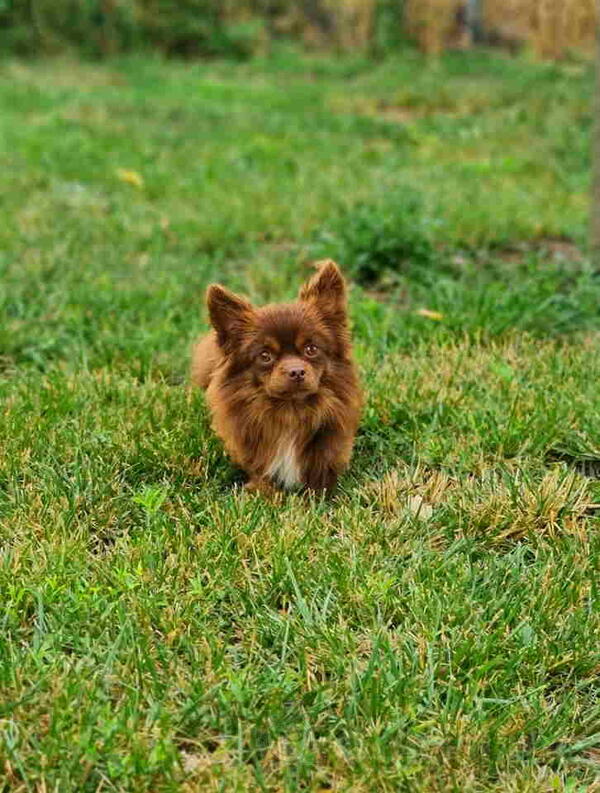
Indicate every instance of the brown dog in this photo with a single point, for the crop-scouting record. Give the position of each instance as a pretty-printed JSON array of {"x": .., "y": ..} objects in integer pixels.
[{"x": 281, "y": 384}]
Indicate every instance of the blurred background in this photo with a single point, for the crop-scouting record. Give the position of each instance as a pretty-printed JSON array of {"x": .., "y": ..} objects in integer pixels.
[
  {"x": 242, "y": 28},
  {"x": 438, "y": 149}
]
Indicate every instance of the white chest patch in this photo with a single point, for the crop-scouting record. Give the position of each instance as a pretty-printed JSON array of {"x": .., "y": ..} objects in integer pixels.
[{"x": 284, "y": 466}]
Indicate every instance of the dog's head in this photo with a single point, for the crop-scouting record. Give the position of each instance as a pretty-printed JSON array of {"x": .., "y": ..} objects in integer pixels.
[{"x": 285, "y": 349}]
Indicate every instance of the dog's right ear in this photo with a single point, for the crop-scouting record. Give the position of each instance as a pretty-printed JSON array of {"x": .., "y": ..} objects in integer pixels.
[{"x": 230, "y": 315}]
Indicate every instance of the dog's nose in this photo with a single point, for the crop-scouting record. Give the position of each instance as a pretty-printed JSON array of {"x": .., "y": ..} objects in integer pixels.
[{"x": 297, "y": 374}]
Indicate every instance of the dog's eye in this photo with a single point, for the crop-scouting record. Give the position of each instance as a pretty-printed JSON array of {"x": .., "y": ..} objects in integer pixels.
[
  {"x": 311, "y": 350},
  {"x": 265, "y": 356}
]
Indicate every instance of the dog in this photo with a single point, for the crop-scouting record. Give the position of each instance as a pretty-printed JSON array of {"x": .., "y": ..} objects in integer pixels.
[{"x": 281, "y": 384}]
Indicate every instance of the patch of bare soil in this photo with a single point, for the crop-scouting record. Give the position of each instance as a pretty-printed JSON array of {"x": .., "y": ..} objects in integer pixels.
[{"x": 558, "y": 248}]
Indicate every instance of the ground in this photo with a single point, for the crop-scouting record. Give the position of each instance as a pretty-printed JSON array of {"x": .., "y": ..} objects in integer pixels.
[{"x": 433, "y": 627}]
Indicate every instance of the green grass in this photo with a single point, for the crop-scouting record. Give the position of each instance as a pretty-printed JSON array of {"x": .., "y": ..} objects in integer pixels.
[{"x": 434, "y": 627}]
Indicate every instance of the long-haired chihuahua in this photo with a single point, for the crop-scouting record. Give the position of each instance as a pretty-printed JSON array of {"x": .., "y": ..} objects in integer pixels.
[{"x": 281, "y": 384}]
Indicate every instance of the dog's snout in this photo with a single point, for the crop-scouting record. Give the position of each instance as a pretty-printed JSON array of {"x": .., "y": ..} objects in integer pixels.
[{"x": 297, "y": 373}]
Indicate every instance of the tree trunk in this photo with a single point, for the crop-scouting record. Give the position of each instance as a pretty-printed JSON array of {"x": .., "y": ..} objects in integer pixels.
[
  {"x": 473, "y": 19},
  {"x": 318, "y": 16},
  {"x": 107, "y": 33}
]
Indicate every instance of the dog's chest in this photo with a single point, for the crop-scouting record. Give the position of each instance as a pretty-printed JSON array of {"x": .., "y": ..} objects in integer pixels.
[{"x": 284, "y": 467}]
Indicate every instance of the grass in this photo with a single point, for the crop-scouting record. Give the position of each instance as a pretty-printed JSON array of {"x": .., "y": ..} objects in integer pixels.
[{"x": 434, "y": 627}]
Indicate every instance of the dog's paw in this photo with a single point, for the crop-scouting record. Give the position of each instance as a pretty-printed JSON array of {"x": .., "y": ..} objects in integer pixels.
[{"x": 264, "y": 488}]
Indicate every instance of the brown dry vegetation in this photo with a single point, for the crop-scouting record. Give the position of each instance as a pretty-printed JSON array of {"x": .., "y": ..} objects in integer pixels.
[{"x": 550, "y": 27}]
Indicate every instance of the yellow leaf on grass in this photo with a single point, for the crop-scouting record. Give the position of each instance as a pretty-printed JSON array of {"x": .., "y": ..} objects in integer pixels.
[
  {"x": 130, "y": 177},
  {"x": 429, "y": 314}
]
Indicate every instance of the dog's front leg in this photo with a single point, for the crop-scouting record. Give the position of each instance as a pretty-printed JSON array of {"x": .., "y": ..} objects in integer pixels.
[
  {"x": 262, "y": 486},
  {"x": 325, "y": 457}
]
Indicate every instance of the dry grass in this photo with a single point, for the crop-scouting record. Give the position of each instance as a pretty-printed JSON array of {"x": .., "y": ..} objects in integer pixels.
[
  {"x": 552, "y": 28},
  {"x": 351, "y": 25},
  {"x": 432, "y": 23}
]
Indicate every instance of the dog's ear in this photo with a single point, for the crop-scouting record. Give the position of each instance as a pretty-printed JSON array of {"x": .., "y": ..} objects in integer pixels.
[
  {"x": 230, "y": 315},
  {"x": 326, "y": 290}
]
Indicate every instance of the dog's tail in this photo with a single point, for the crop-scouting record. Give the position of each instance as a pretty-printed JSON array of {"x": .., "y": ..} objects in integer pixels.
[{"x": 205, "y": 359}]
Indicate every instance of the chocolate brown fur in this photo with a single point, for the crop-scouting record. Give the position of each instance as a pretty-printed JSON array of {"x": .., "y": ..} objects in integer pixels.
[{"x": 281, "y": 384}]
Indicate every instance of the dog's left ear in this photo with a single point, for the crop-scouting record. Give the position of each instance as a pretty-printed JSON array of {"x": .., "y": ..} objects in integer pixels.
[{"x": 326, "y": 290}]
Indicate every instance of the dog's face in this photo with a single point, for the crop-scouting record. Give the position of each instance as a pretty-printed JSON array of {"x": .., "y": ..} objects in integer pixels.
[
  {"x": 289, "y": 351},
  {"x": 284, "y": 350}
]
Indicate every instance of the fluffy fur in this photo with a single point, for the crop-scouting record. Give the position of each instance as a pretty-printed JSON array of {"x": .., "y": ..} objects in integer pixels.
[{"x": 281, "y": 384}]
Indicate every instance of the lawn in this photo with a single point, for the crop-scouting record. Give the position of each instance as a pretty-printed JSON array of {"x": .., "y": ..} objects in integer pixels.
[{"x": 435, "y": 626}]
